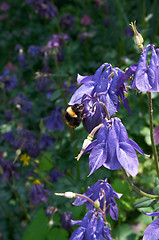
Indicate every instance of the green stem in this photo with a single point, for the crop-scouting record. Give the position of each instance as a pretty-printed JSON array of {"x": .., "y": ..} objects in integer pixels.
[
  {"x": 151, "y": 132},
  {"x": 136, "y": 189}
]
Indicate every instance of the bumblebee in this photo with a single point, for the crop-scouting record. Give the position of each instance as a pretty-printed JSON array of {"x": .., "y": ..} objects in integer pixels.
[{"x": 73, "y": 115}]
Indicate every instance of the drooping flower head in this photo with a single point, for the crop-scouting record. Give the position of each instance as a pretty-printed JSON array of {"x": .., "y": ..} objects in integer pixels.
[
  {"x": 8, "y": 81},
  {"x": 146, "y": 76},
  {"x": 21, "y": 103},
  {"x": 96, "y": 89},
  {"x": 152, "y": 231},
  {"x": 113, "y": 149},
  {"x": 91, "y": 227},
  {"x": 38, "y": 193},
  {"x": 95, "y": 192},
  {"x": 67, "y": 21},
  {"x": 66, "y": 220},
  {"x": 9, "y": 170},
  {"x": 46, "y": 141}
]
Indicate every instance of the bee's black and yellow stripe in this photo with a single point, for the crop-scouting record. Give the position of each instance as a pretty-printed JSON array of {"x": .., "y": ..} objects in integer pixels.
[{"x": 73, "y": 115}]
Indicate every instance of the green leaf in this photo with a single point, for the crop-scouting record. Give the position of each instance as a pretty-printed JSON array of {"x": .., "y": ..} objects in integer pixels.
[
  {"x": 38, "y": 228},
  {"x": 45, "y": 162},
  {"x": 56, "y": 94},
  {"x": 144, "y": 202},
  {"x": 61, "y": 233}
]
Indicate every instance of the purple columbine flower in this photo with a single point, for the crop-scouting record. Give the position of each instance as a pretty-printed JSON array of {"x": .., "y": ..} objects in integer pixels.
[
  {"x": 9, "y": 81},
  {"x": 8, "y": 115},
  {"x": 8, "y": 137},
  {"x": 38, "y": 193},
  {"x": 113, "y": 149},
  {"x": 33, "y": 50},
  {"x": 55, "y": 175},
  {"x": 9, "y": 170},
  {"x": 54, "y": 121},
  {"x": 95, "y": 192},
  {"x": 152, "y": 231},
  {"x": 57, "y": 40},
  {"x": 91, "y": 227},
  {"x": 21, "y": 103},
  {"x": 22, "y": 59},
  {"x": 46, "y": 141},
  {"x": 96, "y": 89},
  {"x": 146, "y": 77},
  {"x": 67, "y": 21},
  {"x": 44, "y": 7},
  {"x": 27, "y": 140},
  {"x": 66, "y": 220}
]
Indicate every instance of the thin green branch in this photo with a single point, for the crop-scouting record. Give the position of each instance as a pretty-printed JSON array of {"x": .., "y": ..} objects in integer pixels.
[
  {"x": 151, "y": 132},
  {"x": 136, "y": 189}
]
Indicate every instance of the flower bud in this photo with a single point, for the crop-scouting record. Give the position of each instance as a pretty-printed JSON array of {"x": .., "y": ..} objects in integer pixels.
[
  {"x": 96, "y": 203},
  {"x": 138, "y": 39}
]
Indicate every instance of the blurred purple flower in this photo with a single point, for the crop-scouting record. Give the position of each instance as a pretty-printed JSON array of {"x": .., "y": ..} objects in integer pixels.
[
  {"x": 146, "y": 77},
  {"x": 46, "y": 141},
  {"x": 67, "y": 21},
  {"x": 33, "y": 50},
  {"x": 4, "y": 6},
  {"x": 54, "y": 121},
  {"x": 86, "y": 20},
  {"x": 8, "y": 137},
  {"x": 129, "y": 31},
  {"x": 55, "y": 174},
  {"x": 66, "y": 220},
  {"x": 9, "y": 170},
  {"x": 9, "y": 81},
  {"x": 21, "y": 103},
  {"x": 113, "y": 133},
  {"x": 152, "y": 231},
  {"x": 44, "y": 8},
  {"x": 57, "y": 40},
  {"x": 38, "y": 193},
  {"x": 91, "y": 227},
  {"x": 49, "y": 211},
  {"x": 84, "y": 35},
  {"x": 22, "y": 59},
  {"x": 95, "y": 192},
  {"x": 26, "y": 140}
]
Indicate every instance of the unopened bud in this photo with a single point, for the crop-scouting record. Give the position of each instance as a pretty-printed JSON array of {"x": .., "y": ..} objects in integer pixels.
[
  {"x": 138, "y": 39},
  {"x": 51, "y": 222},
  {"x": 66, "y": 194},
  {"x": 96, "y": 203},
  {"x": 86, "y": 143}
]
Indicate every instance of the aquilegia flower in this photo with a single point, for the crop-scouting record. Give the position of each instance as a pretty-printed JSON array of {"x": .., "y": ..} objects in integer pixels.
[
  {"x": 54, "y": 121},
  {"x": 152, "y": 231},
  {"x": 96, "y": 89},
  {"x": 8, "y": 170},
  {"x": 146, "y": 77},
  {"x": 95, "y": 192},
  {"x": 46, "y": 141},
  {"x": 66, "y": 220},
  {"x": 91, "y": 227},
  {"x": 9, "y": 81},
  {"x": 113, "y": 149},
  {"x": 38, "y": 193},
  {"x": 21, "y": 103}
]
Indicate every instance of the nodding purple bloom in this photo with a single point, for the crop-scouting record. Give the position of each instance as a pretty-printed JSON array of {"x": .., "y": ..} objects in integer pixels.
[
  {"x": 49, "y": 211},
  {"x": 8, "y": 115},
  {"x": 46, "y": 141},
  {"x": 55, "y": 175},
  {"x": 21, "y": 103},
  {"x": 22, "y": 59},
  {"x": 66, "y": 220},
  {"x": 9, "y": 81},
  {"x": 57, "y": 40},
  {"x": 33, "y": 50},
  {"x": 8, "y": 137},
  {"x": 91, "y": 227},
  {"x": 146, "y": 77},
  {"x": 38, "y": 193},
  {"x": 26, "y": 140},
  {"x": 67, "y": 21},
  {"x": 54, "y": 121},
  {"x": 96, "y": 91},
  {"x": 113, "y": 149},
  {"x": 152, "y": 231},
  {"x": 95, "y": 192},
  {"x": 44, "y": 8},
  {"x": 9, "y": 170},
  {"x": 42, "y": 82}
]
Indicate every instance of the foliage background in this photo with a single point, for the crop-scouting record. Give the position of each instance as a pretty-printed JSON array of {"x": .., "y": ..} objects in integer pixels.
[{"x": 19, "y": 218}]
